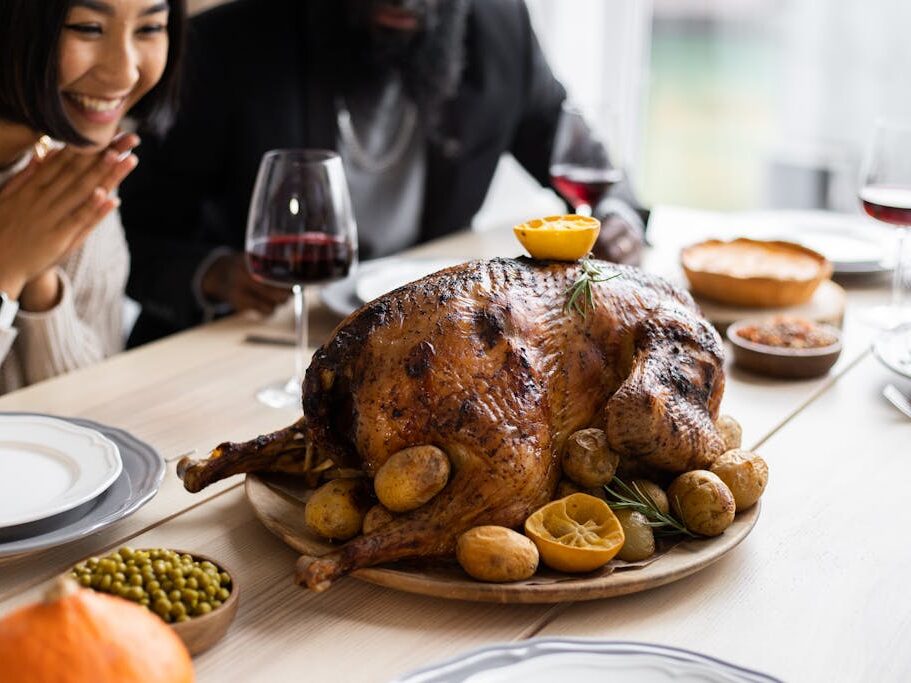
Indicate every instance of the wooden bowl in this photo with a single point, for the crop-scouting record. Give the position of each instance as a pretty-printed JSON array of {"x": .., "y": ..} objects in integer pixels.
[
  {"x": 754, "y": 273},
  {"x": 783, "y": 362},
  {"x": 201, "y": 633}
]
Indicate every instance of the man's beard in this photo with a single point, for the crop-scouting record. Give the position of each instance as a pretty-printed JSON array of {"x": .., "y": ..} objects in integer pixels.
[{"x": 429, "y": 60}]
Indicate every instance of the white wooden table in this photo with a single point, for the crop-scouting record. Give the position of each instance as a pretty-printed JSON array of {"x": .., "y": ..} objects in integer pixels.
[{"x": 818, "y": 591}]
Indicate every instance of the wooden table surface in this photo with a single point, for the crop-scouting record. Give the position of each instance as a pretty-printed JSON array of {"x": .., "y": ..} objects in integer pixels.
[{"x": 817, "y": 592}]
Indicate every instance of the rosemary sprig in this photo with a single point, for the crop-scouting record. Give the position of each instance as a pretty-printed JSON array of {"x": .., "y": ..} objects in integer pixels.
[
  {"x": 628, "y": 497},
  {"x": 580, "y": 296}
]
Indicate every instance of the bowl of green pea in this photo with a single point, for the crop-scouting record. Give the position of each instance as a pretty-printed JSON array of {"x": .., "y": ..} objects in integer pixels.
[{"x": 194, "y": 594}]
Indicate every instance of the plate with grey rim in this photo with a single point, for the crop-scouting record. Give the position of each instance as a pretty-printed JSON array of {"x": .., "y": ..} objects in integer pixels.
[
  {"x": 583, "y": 661},
  {"x": 139, "y": 481}
]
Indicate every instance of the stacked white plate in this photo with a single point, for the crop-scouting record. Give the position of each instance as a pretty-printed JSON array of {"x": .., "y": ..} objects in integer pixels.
[{"x": 62, "y": 479}]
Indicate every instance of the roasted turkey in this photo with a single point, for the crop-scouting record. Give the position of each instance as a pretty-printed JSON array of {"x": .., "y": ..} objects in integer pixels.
[{"x": 484, "y": 361}]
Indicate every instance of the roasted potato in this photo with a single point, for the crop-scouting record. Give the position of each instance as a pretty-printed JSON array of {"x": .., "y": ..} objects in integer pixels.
[
  {"x": 655, "y": 492},
  {"x": 495, "y": 553},
  {"x": 565, "y": 487},
  {"x": 639, "y": 542},
  {"x": 703, "y": 502},
  {"x": 411, "y": 477},
  {"x": 730, "y": 431},
  {"x": 376, "y": 517},
  {"x": 745, "y": 473},
  {"x": 336, "y": 509},
  {"x": 587, "y": 460}
]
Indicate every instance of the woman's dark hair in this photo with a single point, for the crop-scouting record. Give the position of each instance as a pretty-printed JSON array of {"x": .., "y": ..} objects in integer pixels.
[{"x": 29, "y": 83}]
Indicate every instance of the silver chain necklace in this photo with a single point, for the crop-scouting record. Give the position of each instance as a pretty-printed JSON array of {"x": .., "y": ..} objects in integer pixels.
[{"x": 363, "y": 158}]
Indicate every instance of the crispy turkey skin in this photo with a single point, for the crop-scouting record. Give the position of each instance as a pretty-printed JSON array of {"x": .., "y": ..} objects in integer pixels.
[{"x": 482, "y": 361}]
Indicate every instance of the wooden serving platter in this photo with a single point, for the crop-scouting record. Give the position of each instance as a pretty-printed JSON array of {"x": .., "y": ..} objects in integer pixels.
[{"x": 278, "y": 502}]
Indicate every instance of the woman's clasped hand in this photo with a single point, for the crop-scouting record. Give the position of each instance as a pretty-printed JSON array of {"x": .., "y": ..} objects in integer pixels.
[{"x": 48, "y": 210}]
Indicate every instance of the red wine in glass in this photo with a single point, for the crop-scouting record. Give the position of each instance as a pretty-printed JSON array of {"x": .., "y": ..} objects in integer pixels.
[
  {"x": 300, "y": 231},
  {"x": 583, "y": 186},
  {"x": 306, "y": 258},
  {"x": 887, "y": 203}
]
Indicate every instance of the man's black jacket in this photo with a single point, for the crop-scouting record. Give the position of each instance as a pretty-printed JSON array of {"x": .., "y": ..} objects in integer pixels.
[{"x": 261, "y": 75}]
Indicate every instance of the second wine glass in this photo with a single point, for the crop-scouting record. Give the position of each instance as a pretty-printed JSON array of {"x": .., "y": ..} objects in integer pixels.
[
  {"x": 581, "y": 169},
  {"x": 885, "y": 194},
  {"x": 300, "y": 231}
]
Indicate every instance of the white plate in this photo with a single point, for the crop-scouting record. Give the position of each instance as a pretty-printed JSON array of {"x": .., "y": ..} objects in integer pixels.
[
  {"x": 583, "y": 661},
  {"x": 49, "y": 466},
  {"x": 893, "y": 348},
  {"x": 345, "y": 296},
  {"x": 395, "y": 273},
  {"x": 854, "y": 244}
]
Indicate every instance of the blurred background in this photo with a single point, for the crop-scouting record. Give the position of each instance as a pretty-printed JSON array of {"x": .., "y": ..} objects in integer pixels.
[{"x": 722, "y": 104}]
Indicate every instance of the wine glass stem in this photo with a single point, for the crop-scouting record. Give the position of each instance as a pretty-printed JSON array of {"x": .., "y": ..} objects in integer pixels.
[
  {"x": 300, "y": 328},
  {"x": 899, "y": 274}
]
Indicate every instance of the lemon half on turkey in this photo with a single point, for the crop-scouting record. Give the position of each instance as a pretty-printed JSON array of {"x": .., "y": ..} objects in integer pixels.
[{"x": 558, "y": 238}]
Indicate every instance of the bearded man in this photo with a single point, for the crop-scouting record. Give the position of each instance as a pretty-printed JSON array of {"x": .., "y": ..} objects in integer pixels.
[{"x": 419, "y": 97}]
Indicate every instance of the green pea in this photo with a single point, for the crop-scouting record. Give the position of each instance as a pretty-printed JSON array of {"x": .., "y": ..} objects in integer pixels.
[
  {"x": 119, "y": 576},
  {"x": 223, "y": 594},
  {"x": 190, "y": 596},
  {"x": 178, "y": 609},
  {"x": 152, "y": 585},
  {"x": 162, "y": 607},
  {"x": 224, "y": 577},
  {"x": 125, "y": 553},
  {"x": 211, "y": 590},
  {"x": 116, "y": 585},
  {"x": 192, "y": 583},
  {"x": 85, "y": 580},
  {"x": 136, "y": 580},
  {"x": 135, "y": 593}
]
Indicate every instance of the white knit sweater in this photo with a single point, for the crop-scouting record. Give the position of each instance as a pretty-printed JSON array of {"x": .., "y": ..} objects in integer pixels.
[{"x": 85, "y": 326}]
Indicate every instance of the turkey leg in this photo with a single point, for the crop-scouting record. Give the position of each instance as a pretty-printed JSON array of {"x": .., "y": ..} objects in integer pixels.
[
  {"x": 286, "y": 450},
  {"x": 662, "y": 414}
]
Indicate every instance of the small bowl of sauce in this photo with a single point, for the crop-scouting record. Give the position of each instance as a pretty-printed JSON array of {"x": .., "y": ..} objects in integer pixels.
[{"x": 785, "y": 346}]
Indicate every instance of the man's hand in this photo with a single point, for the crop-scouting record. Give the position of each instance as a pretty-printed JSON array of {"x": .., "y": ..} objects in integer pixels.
[
  {"x": 227, "y": 280},
  {"x": 619, "y": 241}
]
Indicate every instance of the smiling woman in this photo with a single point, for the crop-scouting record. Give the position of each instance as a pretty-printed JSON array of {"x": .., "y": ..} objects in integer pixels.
[{"x": 71, "y": 71}]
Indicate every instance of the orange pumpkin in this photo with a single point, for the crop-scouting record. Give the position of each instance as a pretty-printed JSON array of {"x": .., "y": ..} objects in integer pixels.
[{"x": 78, "y": 635}]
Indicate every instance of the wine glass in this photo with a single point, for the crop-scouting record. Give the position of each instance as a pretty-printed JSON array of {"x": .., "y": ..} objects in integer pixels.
[
  {"x": 580, "y": 166},
  {"x": 885, "y": 194},
  {"x": 300, "y": 231}
]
